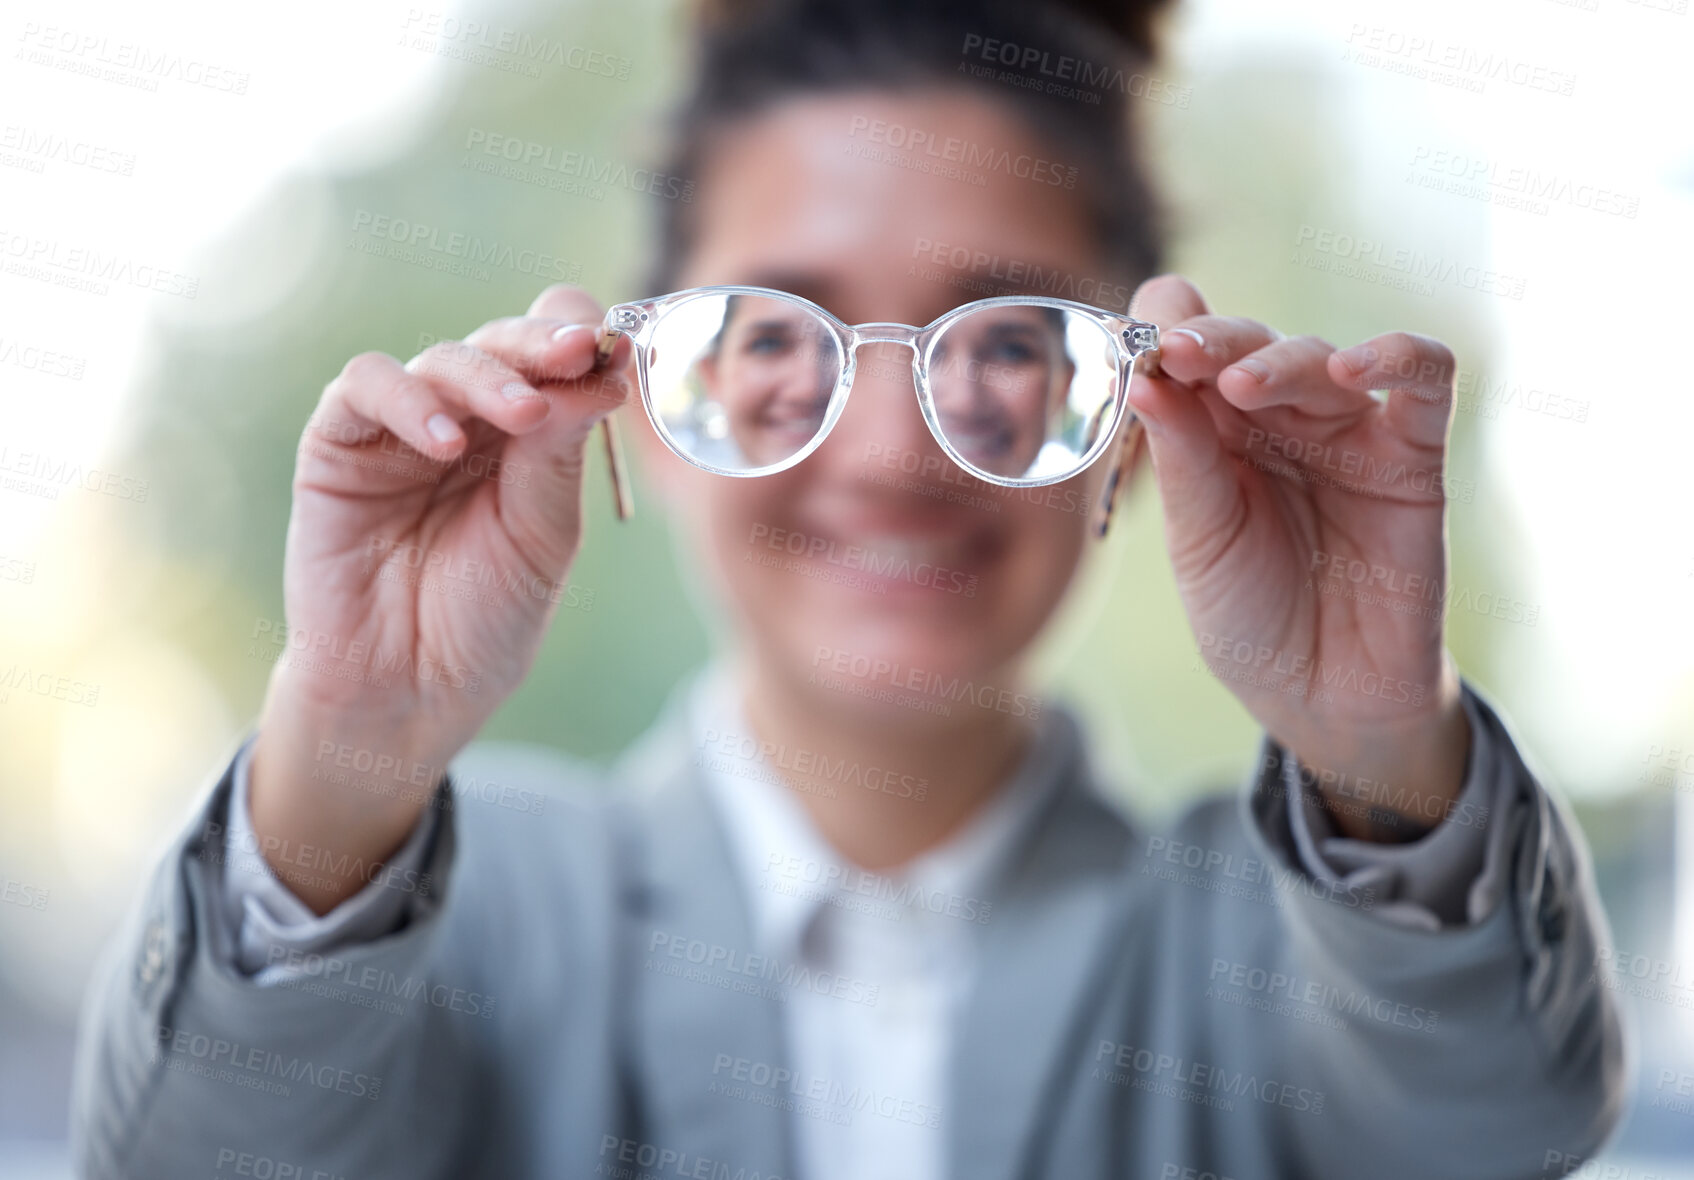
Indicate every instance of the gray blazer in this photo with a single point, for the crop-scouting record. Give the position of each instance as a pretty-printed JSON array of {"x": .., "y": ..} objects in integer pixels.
[{"x": 1173, "y": 1005}]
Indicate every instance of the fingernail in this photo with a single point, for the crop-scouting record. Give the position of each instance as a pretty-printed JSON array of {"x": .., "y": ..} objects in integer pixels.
[
  {"x": 1190, "y": 333},
  {"x": 1257, "y": 370},
  {"x": 566, "y": 331},
  {"x": 516, "y": 390},
  {"x": 442, "y": 428},
  {"x": 1358, "y": 358}
]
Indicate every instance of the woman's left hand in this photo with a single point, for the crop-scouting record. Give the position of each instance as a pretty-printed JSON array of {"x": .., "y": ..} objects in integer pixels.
[{"x": 1305, "y": 520}]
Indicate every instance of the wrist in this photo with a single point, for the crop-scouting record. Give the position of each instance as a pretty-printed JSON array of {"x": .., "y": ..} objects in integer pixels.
[{"x": 1389, "y": 779}]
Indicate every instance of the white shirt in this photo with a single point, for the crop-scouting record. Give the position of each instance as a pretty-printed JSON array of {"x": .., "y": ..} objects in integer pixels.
[{"x": 869, "y": 1092}]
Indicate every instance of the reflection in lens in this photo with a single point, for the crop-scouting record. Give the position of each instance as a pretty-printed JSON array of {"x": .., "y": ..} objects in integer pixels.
[
  {"x": 1023, "y": 391},
  {"x": 741, "y": 381}
]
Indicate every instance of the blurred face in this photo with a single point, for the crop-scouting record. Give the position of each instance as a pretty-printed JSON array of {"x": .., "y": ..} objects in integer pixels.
[{"x": 876, "y": 558}]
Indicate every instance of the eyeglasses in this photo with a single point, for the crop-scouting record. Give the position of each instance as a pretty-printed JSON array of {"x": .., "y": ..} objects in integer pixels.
[{"x": 747, "y": 381}]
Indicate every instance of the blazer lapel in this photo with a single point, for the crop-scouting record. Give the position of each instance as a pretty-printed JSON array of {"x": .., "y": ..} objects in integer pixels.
[
  {"x": 706, "y": 1011},
  {"x": 1048, "y": 943}
]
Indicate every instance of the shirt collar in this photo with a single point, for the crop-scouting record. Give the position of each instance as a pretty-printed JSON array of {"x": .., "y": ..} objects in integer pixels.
[{"x": 790, "y": 872}]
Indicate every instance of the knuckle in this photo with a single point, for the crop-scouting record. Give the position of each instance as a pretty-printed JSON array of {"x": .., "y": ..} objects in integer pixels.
[
  {"x": 566, "y": 302},
  {"x": 1310, "y": 343},
  {"x": 367, "y": 366},
  {"x": 411, "y": 389}
]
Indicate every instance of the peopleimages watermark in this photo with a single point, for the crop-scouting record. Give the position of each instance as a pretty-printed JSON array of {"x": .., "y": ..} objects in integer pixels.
[
  {"x": 770, "y": 1084},
  {"x": 16, "y": 569},
  {"x": 1370, "y": 583},
  {"x": 369, "y": 986},
  {"x": 575, "y": 173},
  {"x": 1259, "y": 665},
  {"x": 763, "y": 976},
  {"x": 925, "y": 151},
  {"x": 1513, "y": 186},
  {"x": 309, "y": 865},
  {"x": 390, "y": 775},
  {"x": 1447, "y": 63},
  {"x": 254, "y": 1067},
  {"x": 1402, "y": 268},
  {"x": 1669, "y": 766},
  {"x": 841, "y": 885},
  {"x": 1197, "y": 1081},
  {"x": 636, "y": 1159},
  {"x": 457, "y": 576},
  {"x": 378, "y": 449},
  {"x": 1265, "y": 989},
  {"x": 1246, "y": 878},
  {"x": 893, "y": 682},
  {"x": 357, "y": 659},
  {"x": 432, "y": 247},
  {"x": 1646, "y": 977},
  {"x": 1344, "y": 467},
  {"x": 1376, "y": 800},
  {"x": 917, "y": 563},
  {"x": 1674, "y": 1091},
  {"x": 33, "y": 358},
  {"x": 31, "y": 150},
  {"x": 1031, "y": 67},
  {"x": 1484, "y": 397},
  {"x": 746, "y": 756},
  {"x": 1564, "y": 1164},
  {"x": 87, "y": 268},
  {"x": 48, "y": 685},
  {"x": 504, "y": 48},
  {"x": 125, "y": 62},
  {"x": 23, "y": 894},
  {"x": 269, "y": 1167},
  {"x": 992, "y": 274},
  {"x": 37, "y": 473},
  {"x": 933, "y": 475}
]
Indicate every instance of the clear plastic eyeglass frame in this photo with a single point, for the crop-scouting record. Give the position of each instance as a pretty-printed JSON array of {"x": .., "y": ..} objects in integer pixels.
[{"x": 1135, "y": 340}]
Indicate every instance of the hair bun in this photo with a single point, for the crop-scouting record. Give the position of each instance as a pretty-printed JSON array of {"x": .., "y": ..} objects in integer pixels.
[{"x": 1133, "y": 22}]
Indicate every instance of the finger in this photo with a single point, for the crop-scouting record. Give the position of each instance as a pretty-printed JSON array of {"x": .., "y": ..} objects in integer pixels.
[
  {"x": 374, "y": 393},
  {"x": 1417, "y": 371},
  {"x": 546, "y": 351},
  {"x": 543, "y": 508},
  {"x": 493, "y": 391},
  {"x": 1293, "y": 372},
  {"x": 1167, "y": 300},
  {"x": 1198, "y": 486},
  {"x": 562, "y": 301},
  {"x": 1200, "y": 347}
]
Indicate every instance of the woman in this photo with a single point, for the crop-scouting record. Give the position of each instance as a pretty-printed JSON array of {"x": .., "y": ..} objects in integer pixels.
[{"x": 854, "y": 907}]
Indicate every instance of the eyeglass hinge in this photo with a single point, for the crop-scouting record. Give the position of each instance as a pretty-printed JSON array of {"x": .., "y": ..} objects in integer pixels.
[{"x": 1142, "y": 337}]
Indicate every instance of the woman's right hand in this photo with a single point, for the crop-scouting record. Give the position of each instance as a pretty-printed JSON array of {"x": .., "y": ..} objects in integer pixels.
[{"x": 437, "y": 510}]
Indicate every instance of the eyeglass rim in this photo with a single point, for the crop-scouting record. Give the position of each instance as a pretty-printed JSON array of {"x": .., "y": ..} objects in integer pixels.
[{"x": 1131, "y": 337}]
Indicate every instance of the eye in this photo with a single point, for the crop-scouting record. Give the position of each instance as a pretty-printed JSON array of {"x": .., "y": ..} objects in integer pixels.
[
  {"x": 768, "y": 341},
  {"x": 1009, "y": 351}
]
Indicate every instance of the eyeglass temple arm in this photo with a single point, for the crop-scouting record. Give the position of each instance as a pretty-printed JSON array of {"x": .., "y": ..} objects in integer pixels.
[
  {"x": 1147, "y": 363},
  {"x": 609, "y": 433}
]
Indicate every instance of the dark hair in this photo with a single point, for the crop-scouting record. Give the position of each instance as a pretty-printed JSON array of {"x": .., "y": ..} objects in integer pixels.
[{"x": 1072, "y": 71}]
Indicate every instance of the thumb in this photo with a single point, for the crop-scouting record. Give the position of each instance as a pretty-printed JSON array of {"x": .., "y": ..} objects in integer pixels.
[{"x": 1199, "y": 487}]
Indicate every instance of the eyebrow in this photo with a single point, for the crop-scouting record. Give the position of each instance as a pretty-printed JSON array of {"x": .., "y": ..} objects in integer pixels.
[{"x": 818, "y": 288}]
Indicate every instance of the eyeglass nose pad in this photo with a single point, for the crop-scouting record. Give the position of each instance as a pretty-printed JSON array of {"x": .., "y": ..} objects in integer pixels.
[{"x": 884, "y": 333}]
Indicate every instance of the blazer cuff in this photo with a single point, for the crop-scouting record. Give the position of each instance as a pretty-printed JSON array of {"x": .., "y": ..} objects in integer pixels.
[
  {"x": 266, "y": 932},
  {"x": 1452, "y": 875}
]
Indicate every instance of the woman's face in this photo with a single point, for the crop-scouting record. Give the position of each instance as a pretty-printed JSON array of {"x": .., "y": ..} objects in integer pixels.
[{"x": 876, "y": 564}]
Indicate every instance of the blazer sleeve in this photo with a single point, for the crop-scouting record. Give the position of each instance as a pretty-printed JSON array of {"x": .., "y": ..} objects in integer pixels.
[
  {"x": 1484, "y": 933},
  {"x": 185, "y": 1065}
]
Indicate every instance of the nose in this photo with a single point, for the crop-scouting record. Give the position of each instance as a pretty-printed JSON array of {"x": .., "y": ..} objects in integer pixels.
[{"x": 882, "y": 418}]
